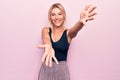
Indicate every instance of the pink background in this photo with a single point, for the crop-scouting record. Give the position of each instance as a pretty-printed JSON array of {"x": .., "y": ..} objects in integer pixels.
[{"x": 94, "y": 54}]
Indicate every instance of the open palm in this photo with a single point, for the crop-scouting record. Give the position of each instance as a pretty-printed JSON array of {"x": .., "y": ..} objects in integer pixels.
[
  {"x": 48, "y": 54},
  {"x": 87, "y": 14}
]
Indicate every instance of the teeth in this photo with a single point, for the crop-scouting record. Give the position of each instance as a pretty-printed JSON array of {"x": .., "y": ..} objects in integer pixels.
[{"x": 57, "y": 21}]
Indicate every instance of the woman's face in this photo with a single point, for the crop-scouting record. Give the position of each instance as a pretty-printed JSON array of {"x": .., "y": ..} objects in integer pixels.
[{"x": 57, "y": 17}]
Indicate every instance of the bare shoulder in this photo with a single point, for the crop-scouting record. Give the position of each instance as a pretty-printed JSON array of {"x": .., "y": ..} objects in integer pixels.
[{"x": 45, "y": 29}]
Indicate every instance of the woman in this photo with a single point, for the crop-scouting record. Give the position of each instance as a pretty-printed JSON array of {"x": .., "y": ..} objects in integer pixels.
[{"x": 56, "y": 41}]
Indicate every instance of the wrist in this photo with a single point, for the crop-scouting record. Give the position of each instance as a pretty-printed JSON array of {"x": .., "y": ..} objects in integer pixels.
[{"x": 83, "y": 21}]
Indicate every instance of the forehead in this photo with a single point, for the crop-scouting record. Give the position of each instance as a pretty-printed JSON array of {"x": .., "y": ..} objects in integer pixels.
[{"x": 56, "y": 10}]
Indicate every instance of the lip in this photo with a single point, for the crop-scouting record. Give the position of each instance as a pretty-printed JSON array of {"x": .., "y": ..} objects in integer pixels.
[{"x": 57, "y": 21}]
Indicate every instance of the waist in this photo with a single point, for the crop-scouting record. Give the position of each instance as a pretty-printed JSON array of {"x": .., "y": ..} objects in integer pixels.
[{"x": 60, "y": 60}]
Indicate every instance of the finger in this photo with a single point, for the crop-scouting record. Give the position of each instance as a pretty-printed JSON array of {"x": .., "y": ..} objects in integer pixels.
[
  {"x": 91, "y": 9},
  {"x": 44, "y": 56},
  {"x": 92, "y": 14},
  {"x": 91, "y": 18},
  {"x": 50, "y": 64},
  {"x": 47, "y": 60},
  {"x": 86, "y": 7},
  {"x": 56, "y": 61},
  {"x": 41, "y": 46}
]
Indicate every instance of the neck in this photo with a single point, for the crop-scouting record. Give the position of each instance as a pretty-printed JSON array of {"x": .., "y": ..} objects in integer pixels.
[{"x": 56, "y": 29}]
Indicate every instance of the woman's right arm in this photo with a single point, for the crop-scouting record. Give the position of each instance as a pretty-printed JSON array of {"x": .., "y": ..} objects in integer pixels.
[
  {"x": 49, "y": 51},
  {"x": 45, "y": 36}
]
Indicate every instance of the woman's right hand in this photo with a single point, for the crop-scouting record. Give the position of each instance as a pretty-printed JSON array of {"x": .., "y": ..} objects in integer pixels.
[{"x": 48, "y": 54}]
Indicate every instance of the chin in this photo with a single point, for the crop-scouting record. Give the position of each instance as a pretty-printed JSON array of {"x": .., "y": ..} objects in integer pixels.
[{"x": 58, "y": 25}]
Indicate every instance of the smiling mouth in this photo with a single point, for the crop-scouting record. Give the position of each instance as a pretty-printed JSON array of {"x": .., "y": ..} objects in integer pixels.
[{"x": 57, "y": 21}]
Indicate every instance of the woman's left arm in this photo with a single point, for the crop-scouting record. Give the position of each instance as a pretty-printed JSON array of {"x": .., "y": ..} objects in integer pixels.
[{"x": 87, "y": 14}]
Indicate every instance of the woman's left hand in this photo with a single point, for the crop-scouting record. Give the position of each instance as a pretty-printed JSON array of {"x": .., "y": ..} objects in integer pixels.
[{"x": 87, "y": 14}]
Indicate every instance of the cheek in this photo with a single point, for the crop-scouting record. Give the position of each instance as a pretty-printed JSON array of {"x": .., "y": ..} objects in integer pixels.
[
  {"x": 52, "y": 20},
  {"x": 63, "y": 17},
  {"x": 52, "y": 17}
]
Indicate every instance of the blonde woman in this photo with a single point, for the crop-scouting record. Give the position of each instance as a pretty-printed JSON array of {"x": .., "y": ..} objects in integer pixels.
[{"x": 56, "y": 41}]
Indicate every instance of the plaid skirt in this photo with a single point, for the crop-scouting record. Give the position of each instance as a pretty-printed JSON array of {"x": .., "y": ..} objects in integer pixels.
[{"x": 56, "y": 72}]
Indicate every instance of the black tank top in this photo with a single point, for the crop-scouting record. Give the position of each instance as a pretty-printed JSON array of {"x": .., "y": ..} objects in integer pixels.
[{"x": 61, "y": 46}]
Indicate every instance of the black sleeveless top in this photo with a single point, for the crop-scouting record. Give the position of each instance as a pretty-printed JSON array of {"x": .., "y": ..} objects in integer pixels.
[{"x": 61, "y": 46}]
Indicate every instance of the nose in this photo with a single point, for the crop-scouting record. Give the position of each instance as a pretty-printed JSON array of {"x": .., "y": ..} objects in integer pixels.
[{"x": 56, "y": 17}]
